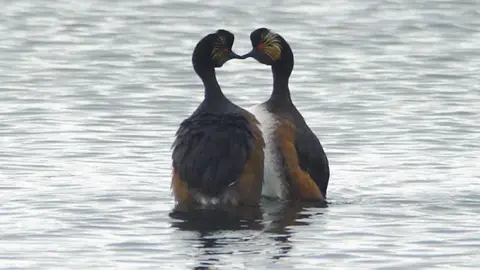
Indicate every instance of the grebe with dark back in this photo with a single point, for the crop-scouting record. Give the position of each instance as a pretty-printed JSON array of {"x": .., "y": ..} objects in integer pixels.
[
  {"x": 218, "y": 153},
  {"x": 296, "y": 166}
]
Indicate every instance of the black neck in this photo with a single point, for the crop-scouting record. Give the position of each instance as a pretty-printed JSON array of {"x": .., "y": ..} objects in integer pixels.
[
  {"x": 281, "y": 92},
  {"x": 213, "y": 91},
  {"x": 281, "y": 74}
]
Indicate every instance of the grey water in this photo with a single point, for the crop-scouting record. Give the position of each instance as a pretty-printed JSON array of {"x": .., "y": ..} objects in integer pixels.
[{"x": 93, "y": 91}]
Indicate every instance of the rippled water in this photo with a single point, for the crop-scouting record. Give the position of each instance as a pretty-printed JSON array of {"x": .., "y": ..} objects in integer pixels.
[{"x": 92, "y": 93}]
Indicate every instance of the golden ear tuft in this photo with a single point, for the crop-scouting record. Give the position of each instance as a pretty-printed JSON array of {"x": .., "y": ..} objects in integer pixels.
[
  {"x": 272, "y": 45},
  {"x": 218, "y": 48}
]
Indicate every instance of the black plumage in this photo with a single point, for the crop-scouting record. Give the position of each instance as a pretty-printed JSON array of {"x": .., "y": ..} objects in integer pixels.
[
  {"x": 211, "y": 150},
  {"x": 214, "y": 145}
]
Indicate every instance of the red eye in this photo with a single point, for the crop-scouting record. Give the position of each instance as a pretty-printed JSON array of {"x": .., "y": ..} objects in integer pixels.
[{"x": 260, "y": 46}]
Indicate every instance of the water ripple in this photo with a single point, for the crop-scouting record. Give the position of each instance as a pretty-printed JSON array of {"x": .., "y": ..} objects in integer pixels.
[{"x": 92, "y": 93}]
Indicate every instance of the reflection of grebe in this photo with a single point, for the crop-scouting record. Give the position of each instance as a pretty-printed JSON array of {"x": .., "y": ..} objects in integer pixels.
[
  {"x": 193, "y": 217},
  {"x": 217, "y": 228},
  {"x": 278, "y": 216},
  {"x": 214, "y": 229}
]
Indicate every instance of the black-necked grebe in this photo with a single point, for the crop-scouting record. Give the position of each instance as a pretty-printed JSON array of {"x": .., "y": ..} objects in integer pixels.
[
  {"x": 218, "y": 153},
  {"x": 296, "y": 166}
]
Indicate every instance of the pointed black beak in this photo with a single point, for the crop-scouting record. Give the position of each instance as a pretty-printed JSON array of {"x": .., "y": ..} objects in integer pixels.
[
  {"x": 233, "y": 55},
  {"x": 258, "y": 55},
  {"x": 250, "y": 54}
]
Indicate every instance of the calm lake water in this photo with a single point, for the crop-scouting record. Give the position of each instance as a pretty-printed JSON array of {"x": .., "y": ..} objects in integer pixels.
[{"x": 92, "y": 92}]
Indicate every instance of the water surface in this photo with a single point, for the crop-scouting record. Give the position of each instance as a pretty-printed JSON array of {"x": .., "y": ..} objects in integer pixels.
[{"x": 92, "y": 93}]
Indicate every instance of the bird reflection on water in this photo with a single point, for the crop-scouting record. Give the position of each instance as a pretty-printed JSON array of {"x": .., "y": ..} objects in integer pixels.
[{"x": 218, "y": 228}]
